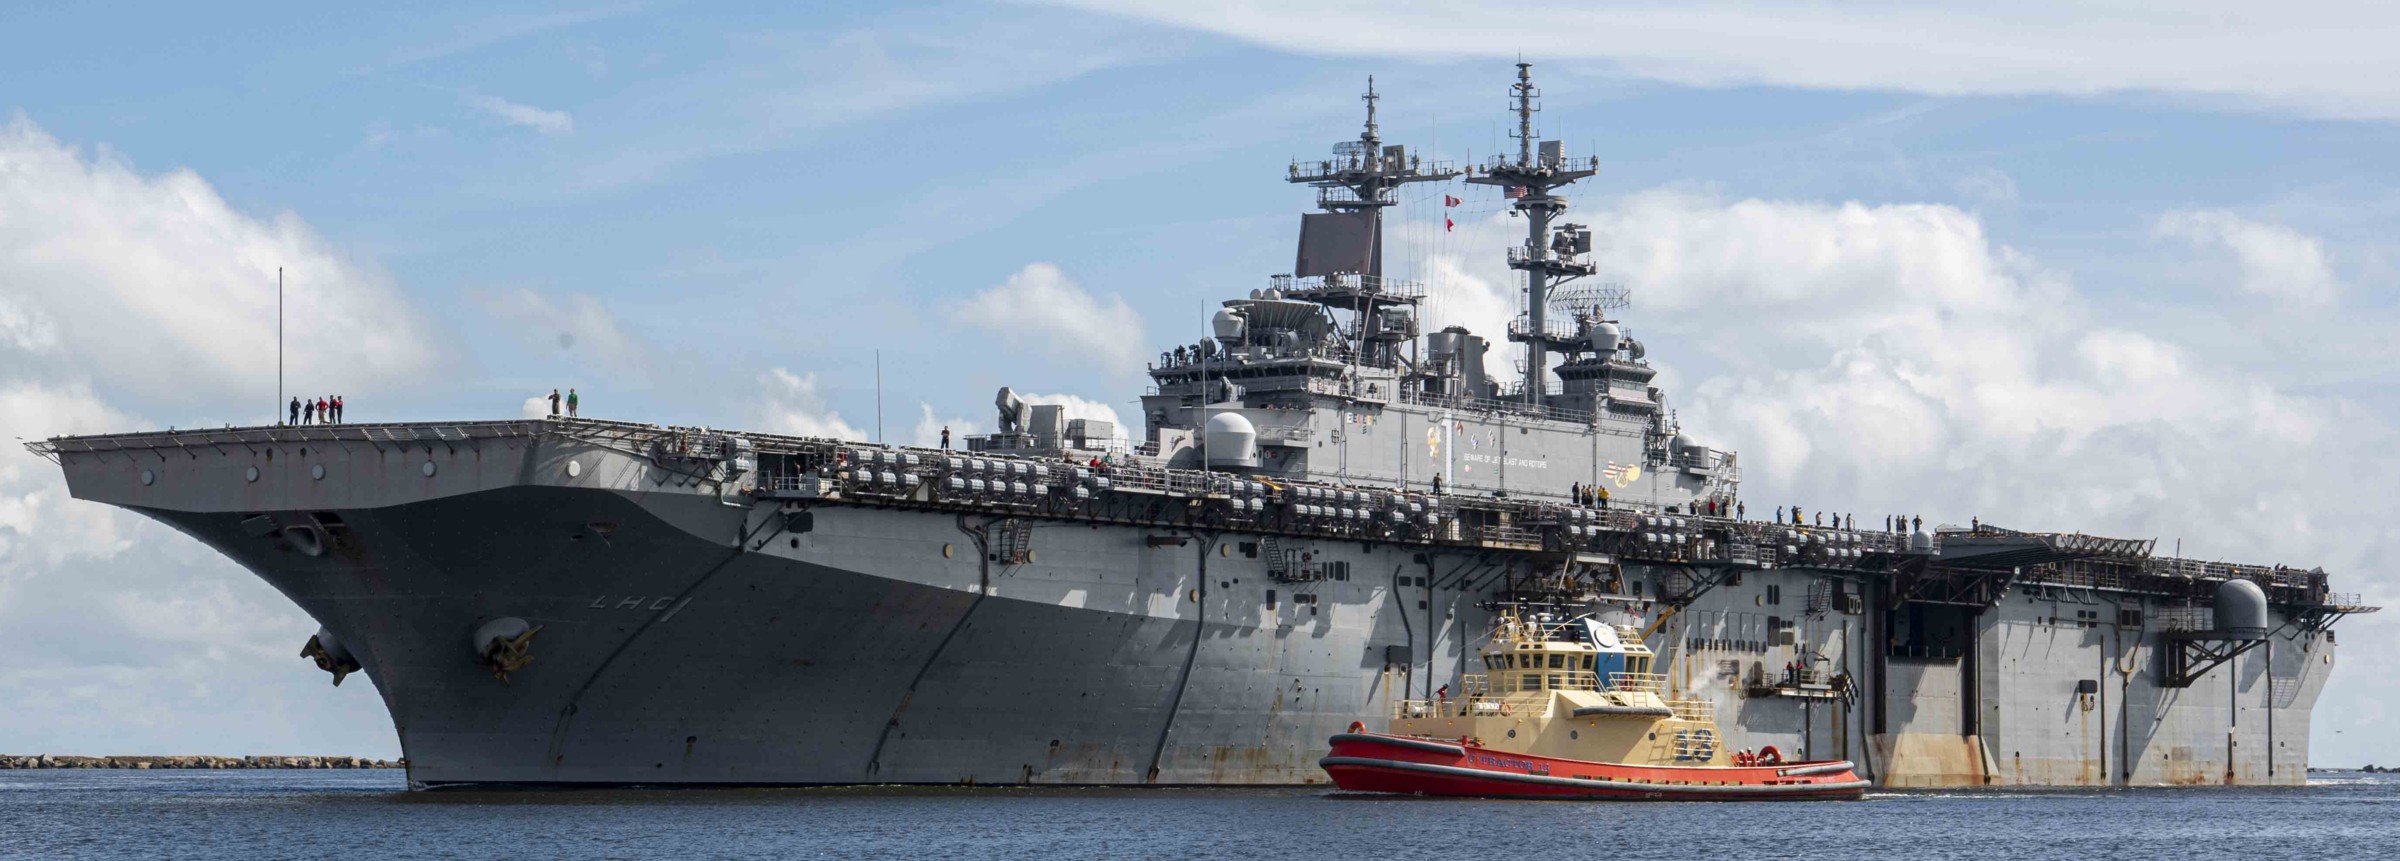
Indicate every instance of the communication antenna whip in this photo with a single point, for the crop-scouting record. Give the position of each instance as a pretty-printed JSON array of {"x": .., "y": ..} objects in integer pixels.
[{"x": 278, "y": 410}]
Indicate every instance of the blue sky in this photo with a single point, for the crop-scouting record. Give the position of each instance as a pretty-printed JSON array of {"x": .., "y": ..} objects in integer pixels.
[{"x": 2070, "y": 265}]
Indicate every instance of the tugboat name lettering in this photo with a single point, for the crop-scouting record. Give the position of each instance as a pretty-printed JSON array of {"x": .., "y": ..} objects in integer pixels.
[{"x": 1526, "y": 765}]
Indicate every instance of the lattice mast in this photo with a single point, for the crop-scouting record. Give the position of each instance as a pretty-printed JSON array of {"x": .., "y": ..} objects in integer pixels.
[
  {"x": 1362, "y": 175},
  {"x": 1530, "y": 179},
  {"x": 1341, "y": 251}
]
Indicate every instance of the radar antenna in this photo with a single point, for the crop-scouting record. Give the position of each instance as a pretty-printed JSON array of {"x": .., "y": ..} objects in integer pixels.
[
  {"x": 1530, "y": 179},
  {"x": 1340, "y": 264},
  {"x": 1358, "y": 181},
  {"x": 1592, "y": 300}
]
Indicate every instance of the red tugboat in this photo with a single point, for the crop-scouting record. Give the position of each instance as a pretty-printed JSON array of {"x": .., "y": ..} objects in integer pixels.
[{"x": 1570, "y": 710}]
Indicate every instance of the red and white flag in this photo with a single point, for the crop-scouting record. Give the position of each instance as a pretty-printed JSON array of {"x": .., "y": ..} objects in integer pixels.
[
  {"x": 1448, "y": 225},
  {"x": 1447, "y": 200}
]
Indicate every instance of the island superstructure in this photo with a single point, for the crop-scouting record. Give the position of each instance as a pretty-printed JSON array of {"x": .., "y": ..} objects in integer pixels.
[{"x": 1324, "y": 510}]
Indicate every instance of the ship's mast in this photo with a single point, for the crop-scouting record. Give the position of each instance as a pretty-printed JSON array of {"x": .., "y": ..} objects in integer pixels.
[
  {"x": 1530, "y": 179},
  {"x": 1341, "y": 249},
  {"x": 1362, "y": 175}
]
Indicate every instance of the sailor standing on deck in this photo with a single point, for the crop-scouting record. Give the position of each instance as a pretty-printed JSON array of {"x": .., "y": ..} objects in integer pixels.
[
  {"x": 308, "y": 412},
  {"x": 295, "y": 419},
  {"x": 572, "y": 403},
  {"x": 554, "y": 403}
]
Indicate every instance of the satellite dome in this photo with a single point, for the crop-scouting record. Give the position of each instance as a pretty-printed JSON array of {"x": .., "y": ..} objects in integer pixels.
[
  {"x": 1606, "y": 336},
  {"x": 1231, "y": 440},
  {"x": 2241, "y": 610},
  {"x": 1228, "y": 325}
]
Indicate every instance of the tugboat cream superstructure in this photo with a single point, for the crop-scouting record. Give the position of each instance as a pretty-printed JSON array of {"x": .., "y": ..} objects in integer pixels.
[
  {"x": 1322, "y": 510},
  {"x": 1570, "y": 709}
]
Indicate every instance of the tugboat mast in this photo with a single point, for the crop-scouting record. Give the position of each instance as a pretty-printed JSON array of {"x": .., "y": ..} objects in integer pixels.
[{"x": 1530, "y": 179}]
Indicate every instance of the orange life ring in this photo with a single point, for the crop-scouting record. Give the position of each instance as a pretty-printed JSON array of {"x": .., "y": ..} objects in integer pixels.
[
  {"x": 1358, "y": 726},
  {"x": 1507, "y": 708},
  {"x": 1770, "y": 756}
]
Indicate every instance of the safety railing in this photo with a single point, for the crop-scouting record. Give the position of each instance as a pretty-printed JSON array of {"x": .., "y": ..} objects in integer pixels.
[
  {"x": 1693, "y": 710},
  {"x": 1466, "y": 403},
  {"x": 2185, "y": 618},
  {"x": 431, "y": 432},
  {"x": 1638, "y": 683},
  {"x": 1347, "y": 283},
  {"x": 1554, "y": 330},
  {"x": 1503, "y": 163}
]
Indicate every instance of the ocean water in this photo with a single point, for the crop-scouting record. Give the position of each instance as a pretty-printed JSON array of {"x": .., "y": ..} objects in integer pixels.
[{"x": 321, "y": 815}]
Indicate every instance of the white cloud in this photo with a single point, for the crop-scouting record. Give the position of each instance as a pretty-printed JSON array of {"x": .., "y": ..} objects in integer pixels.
[
  {"x": 2275, "y": 261},
  {"x": 928, "y": 432},
  {"x": 130, "y": 288},
  {"x": 1074, "y": 407},
  {"x": 2322, "y": 58},
  {"x": 40, "y": 527},
  {"x": 115, "y": 275},
  {"x": 542, "y": 120},
  {"x": 791, "y": 404},
  {"x": 1988, "y": 186},
  {"x": 573, "y": 323},
  {"x": 1896, "y": 359},
  {"x": 26, "y": 329},
  {"x": 1041, "y": 309}
]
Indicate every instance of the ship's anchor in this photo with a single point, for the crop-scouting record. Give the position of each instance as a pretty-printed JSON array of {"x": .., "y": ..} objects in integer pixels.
[
  {"x": 505, "y": 645},
  {"x": 330, "y": 655}
]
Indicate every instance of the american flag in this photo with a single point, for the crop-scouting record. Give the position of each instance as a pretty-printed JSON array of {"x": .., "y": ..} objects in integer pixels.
[
  {"x": 1612, "y": 471},
  {"x": 1515, "y": 191}
]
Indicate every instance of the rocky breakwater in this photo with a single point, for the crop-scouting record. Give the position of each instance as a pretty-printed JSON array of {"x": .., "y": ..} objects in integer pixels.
[{"x": 8, "y": 761}]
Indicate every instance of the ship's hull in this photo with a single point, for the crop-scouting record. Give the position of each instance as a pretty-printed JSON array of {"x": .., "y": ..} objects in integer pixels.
[
  {"x": 1375, "y": 762},
  {"x": 695, "y": 634}
]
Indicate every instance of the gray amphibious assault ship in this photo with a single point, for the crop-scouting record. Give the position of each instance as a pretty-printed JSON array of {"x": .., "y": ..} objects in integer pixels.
[{"x": 1325, "y": 509}]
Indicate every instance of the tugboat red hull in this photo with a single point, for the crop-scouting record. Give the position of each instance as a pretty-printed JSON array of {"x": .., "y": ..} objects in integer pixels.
[{"x": 1376, "y": 762}]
